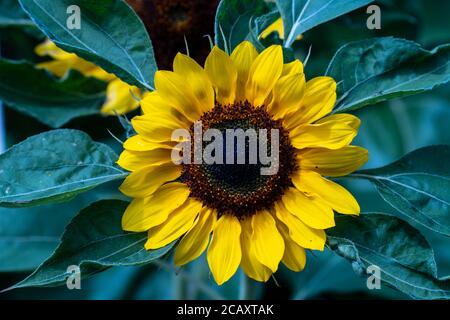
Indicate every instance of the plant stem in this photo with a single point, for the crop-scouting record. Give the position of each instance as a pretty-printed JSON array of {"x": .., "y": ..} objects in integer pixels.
[
  {"x": 244, "y": 286},
  {"x": 178, "y": 286},
  {"x": 2, "y": 121},
  {"x": 209, "y": 292},
  {"x": 2, "y": 129}
]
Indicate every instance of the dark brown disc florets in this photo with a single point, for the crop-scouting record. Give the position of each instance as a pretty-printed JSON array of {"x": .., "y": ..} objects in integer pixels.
[
  {"x": 169, "y": 21},
  {"x": 240, "y": 189}
]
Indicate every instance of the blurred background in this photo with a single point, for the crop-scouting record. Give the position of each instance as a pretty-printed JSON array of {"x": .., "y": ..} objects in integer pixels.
[{"x": 388, "y": 131}]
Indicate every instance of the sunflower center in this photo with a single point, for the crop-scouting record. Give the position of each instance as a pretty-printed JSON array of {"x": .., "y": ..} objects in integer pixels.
[
  {"x": 180, "y": 16},
  {"x": 177, "y": 14},
  {"x": 240, "y": 188},
  {"x": 169, "y": 21}
]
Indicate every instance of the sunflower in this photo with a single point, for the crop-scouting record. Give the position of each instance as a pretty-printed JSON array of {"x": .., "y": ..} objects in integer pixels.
[
  {"x": 120, "y": 96},
  {"x": 255, "y": 221},
  {"x": 168, "y": 22},
  {"x": 278, "y": 27}
]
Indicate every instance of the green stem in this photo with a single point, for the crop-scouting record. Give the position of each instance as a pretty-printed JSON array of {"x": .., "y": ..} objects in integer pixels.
[
  {"x": 244, "y": 286},
  {"x": 178, "y": 286},
  {"x": 208, "y": 291}
]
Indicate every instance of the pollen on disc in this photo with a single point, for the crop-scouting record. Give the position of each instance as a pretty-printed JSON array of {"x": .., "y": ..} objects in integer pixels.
[{"x": 240, "y": 189}]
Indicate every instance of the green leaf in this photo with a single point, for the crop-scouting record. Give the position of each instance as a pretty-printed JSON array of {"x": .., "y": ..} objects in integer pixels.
[
  {"x": 50, "y": 100},
  {"x": 54, "y": 166},
  {"x": 309, "y": 283},
  {"x": 379, "y": 69},
  {"x": 111, "y": 36},
  {"x": 417, "y": 185},
  {"x": 27, "y": 238},
  {"x": 94, "y": 240},
  {"x": 402, "y": 119},
  {"x": 12, "y": 15},
  {"x": 433, "y": 21},
  {"x": 405, "y": 258},
  {"x": 302, "y": 15},
  {"x": 264, "y": 21},
  {"x": 234, "y": 22}
]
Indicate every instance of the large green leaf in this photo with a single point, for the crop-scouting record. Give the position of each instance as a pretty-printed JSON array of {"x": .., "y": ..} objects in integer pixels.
[
  {"x": 12, "y": 15},
  {"x": 94, "y": 240},
  {"x": 309, "y": 283},
  {"x": 54, "y": 166},
  {"x": 418, "y": 185},
  {"x": 111, "y": 35},
  {"x": 433, "y": 21},
  {"x": 379, "y": 69},
  {"x": 235, "y": 20},
  {"x": 405, "y": 258},
  {"x": 302, "y": 15},
  {"x": 27, "y": 237},
  {"x": 403, "y": 119},
  {"x": 50, "y": 100}
]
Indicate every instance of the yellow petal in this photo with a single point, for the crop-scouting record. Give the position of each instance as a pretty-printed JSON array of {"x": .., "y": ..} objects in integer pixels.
[
  {"x": 293, "y": 67},
  {"x": 264, "y": 73},
  {"x": 196, "y": 239},
  {"x": 134, "y": 209},
  {"x": 159, "y": 130},
  {"x": 277, "y": 26},
  {"x": 154, "y": 105},
  {"x": 143, "y": 182},
  {"x": 120, "y": 98},
  {"x": 345, "y": 118},
  {"x": 172, "y": 88},
  {"x": 177, "y": 224},
  {"x": 299, "y": 232},
  {"x": 294, "y": 256},
  {"x": 243, "y": 56},
  {"x": 308, "y": 209},
  {"x": 329, "y": 134},
  {"x": 317, "y": 102},
  {"x": 138, "y": 143},
  {"x": 196, "y": 78},
  {"x": 49, "y": 48},
  {"x": 249, "y": 263},
  {"x": 143, "y": 214},
  {"x": 287, "y": 95},
  {"x": 134, "y": 160},
  {"x": 267, "y": 243},
  {"x": 65, "y": 61},
  {"x": 91, "y": 70},
  {"x": 332, "y": 193},
  {"x": 223, "y": 75},
  {"x": 224, "y": 252},
  {"x": 333, "y": 163},
  {"x": 56, "y": 67}
]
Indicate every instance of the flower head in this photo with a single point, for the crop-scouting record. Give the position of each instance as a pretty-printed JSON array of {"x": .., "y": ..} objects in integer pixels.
[
  {"x": 256, "y": 221},
  {"x": 119, "y": 95},
  {"x": 277, "y": 27},
  {"x": 169, "y": 21}
]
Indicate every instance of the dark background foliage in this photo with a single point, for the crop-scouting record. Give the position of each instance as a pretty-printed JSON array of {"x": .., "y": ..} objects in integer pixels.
[{"x": 388, "y": 131}]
